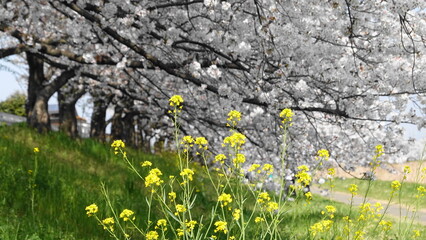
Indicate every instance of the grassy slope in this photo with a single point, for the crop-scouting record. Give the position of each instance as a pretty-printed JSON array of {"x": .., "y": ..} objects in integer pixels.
[
  {"x": 68, "y": 179},
  {"x": 382, "y": 190}
]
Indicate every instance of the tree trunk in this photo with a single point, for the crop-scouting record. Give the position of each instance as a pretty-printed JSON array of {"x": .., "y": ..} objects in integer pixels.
[
  {"x": 67, "y": 111},
  {"x": 36, "y": 106},
  {"x": 98, "y": 120},
  {"x": 123, "y": 127},
  {"x": 39, "y": 92},
  {"x": 117, "y": 124}
]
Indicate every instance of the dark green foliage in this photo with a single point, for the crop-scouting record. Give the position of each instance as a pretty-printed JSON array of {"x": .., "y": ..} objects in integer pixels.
[{"x": 14, "y": 104}]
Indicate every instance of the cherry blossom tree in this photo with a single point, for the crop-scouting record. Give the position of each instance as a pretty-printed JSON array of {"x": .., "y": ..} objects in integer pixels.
[{"x": 350, "y": 70}]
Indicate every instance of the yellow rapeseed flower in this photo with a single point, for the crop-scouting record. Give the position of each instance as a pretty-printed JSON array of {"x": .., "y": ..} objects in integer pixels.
[
  {"x": 225, "y": 199},
  {"x": 303, "y": 168},
  {"x": 287, "y": 115},
  {"x": 386, "y": 225},
  {"x": 258, "y": 220},
  {"x": 118, "y": 144},
  {"x": 322, "y": 154},
  {"x": 152, "y": 235},
  {"x": 308, "y": 196},
  {"x": 153, "y": 178},
  {"x": 146, "y": 164},
  {"x": 396, "y": 185},
  {"x": 271, "y": 206},
  {"x": 221, "y": 226},
  {"x": 304, "y": 178},
  {"x": 91, "y": 209},
  {"x": 202, "y": 143},
  {"x": 190, "y": 225},
  {"x": 236, "y": 140},
  {"x": 407, "y": 169},
  {"x": 108, "y": 224},
  {"x": 331, "y": 172},
  {"x": 420, "y": 191},
  {"x": 220, "y": 158},
  {"x": 233, "y": 118},
  {"x": 176, "y": 101},
  {"x": 162, "y": 223},
  {"x": 187, "y": 141},
  {"x": 353, "y": 188},
  {"x": 253, "y": 167},
  {"x": 379, "y": 150},
  {"x": 263, "y": 197},
  {"x": 239, "y": 158},
  {"x": 127, "y": 214},
  {"x": 268, "y": 168},
  {"x": 416, "y": 233},
  {"x": 36, "y": 150},
  {"x": 236, "y": 214},
  {"x": 180, "y": 209},
  {"x": 187, "y": 172},
  {"x": 330, "y": 210},
  {"x": 172, "y": 196},
  {"x": 320, "y": 227}
]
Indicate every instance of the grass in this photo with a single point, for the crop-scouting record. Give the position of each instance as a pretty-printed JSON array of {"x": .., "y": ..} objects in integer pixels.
[
  {"x": 381, "y": 190},
  {"x": 43, "y": 195}
]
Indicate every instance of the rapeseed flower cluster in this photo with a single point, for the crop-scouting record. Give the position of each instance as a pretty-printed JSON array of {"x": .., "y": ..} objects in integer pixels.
[
  {"x": 416, "y": 234},
  {"x": 36, "y": 150},
  {"x": 161, "y": 224},
  {"x": 330, "y": 210},
  {"x": 368, "y": 212},
  {"x": 225, "y": 199},
  {"x": 127, "y": 215},
  {"x": 187, "y": 141},
  {"x": 190, "y": 225},
  {"x": 331, "y": 172},
  {"x": 91, "y": 209},
  {"x": 221, "y": 226},
  {"x": 386, "y": 225},
  {"x": 396, "y": 185},
  {"x": 287, "y": 116},
  {"x": 187, "y": 173},
  {"x": 353, "y": 189},
  {"x": 323, "y": 154},
  {"x": 320, "y": 227},
  {"x": 152, "y": 235},
  {"x": 117, "y": 145},
  {"x": 202, "y": 143},
  {"x": 153, "y": 178},
  {"x": 420, "y": 192},
  {"x": 236, "y": 140},
  {"x": 146, "y": 164},
  {"x": 180, "y": 209},
  {"x": 303, "y": 175},
  {"x": 268, "y": 168},
  {"x": 239, "y": 158},
  {"x": 271, "y": 206},
  {"x": 176, "y": 102},
  {"x": 108, "y": 224},
  {"x": 263, "y": 197},
  {"x": 220, "y": 158},
  {"x": 379, "y": 151},
  {"x": 253, "y": 167},
  {"x": 172, "y": 196},
  {"x": 236, "y": 214},
  {"x": 233, "y": 118}
]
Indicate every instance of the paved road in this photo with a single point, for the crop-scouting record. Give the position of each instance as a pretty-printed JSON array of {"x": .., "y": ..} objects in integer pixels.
[{"x": 394, "y": 210}]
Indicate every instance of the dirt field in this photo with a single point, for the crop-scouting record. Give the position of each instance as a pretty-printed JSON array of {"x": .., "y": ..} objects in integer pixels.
[{"x": 389, "y": 171}]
